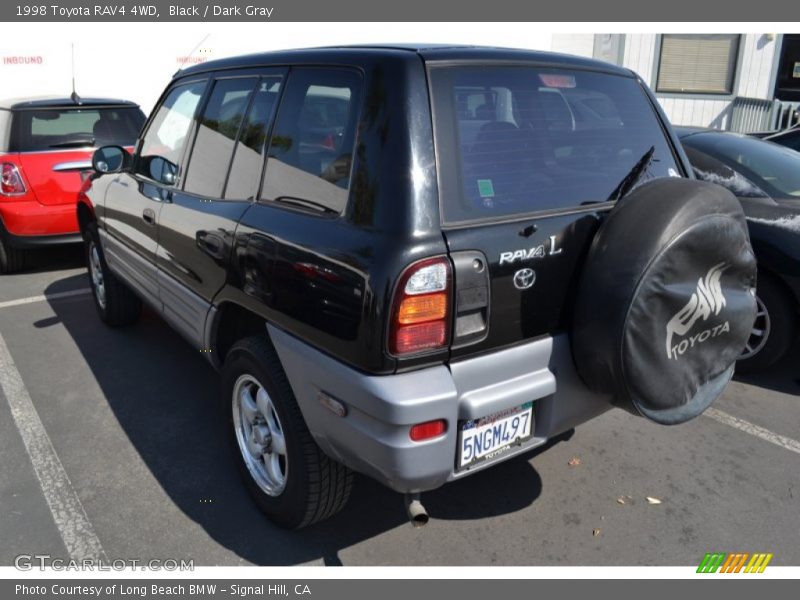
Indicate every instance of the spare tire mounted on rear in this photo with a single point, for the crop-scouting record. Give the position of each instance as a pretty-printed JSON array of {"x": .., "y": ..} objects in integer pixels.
[{"x": 666, "y": 300}]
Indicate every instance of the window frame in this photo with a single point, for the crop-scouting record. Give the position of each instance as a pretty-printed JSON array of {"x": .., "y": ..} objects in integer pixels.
[
  {"x": 195, "y": 130},
  {"x": 698, "y": 94},
  {"x": 357, "y": 116},
  {"x": 178, "y": 185},
  {"x": 281, "y": 73},
  {"x": 447, "y": 225},
  {"x": 211, "y": 78}
]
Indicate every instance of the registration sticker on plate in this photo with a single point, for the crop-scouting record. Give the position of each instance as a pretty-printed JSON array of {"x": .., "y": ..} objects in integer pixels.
[{"x": 490, "y": 437}]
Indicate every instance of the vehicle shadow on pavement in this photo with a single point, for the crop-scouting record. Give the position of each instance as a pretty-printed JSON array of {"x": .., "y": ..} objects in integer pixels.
[
  {"x": 784, "y": 376},
  {"x": 166, "y": 398},
  {"x": 54, "y": 259}
]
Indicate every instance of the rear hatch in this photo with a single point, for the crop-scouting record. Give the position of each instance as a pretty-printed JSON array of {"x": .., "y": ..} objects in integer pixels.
[
  {"x": 529, "y": 159},
  {"x": 54, "y": 145}
]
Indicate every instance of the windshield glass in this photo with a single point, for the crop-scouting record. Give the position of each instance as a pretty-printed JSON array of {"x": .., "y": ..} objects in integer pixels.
[
  {"x": 515, "y": 140},
  {"x": 53, "y": 129},
  {"x": 773, "y": 168}
]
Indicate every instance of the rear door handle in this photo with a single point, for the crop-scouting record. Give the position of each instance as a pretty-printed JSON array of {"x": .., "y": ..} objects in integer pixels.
[
  {"x": 212, "y": 244},
  {"x": 149, "y": 216}
]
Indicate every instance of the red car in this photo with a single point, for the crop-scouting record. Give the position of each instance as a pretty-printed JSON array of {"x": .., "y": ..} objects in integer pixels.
[{"x": 46, "y": 145}]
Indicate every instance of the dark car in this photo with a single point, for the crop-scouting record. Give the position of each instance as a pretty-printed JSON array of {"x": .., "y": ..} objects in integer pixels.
[
  {"x": 789, "y": 138},
  {"x": 46, "y": 145},
  {"x": 417, "y": 262},
  {"x": 766, "y": 178}
]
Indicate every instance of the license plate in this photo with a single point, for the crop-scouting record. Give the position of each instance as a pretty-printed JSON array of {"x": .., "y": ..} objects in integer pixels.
[{"x": 492, "y": 436}]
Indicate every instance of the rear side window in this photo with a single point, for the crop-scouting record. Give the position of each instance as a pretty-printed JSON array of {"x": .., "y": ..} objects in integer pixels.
[
  {"x": 310, "y": 154},
  {"x": 51, "y": 129},
  {"x": 164, "y": 142},
  {"x": 216, "y": 135},
  {"x": 516, "y": 140}
]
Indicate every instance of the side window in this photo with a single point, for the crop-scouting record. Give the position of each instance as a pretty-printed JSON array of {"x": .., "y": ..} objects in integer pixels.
[
  {"x": 217, "y": 131},
  {"x": 247, "y": 160},
  {"x": 312, "y": 144},
  {"x": 163, "y": 144}
]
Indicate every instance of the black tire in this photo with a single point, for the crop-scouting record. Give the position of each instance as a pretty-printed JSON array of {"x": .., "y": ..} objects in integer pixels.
[
  {"x": 316, "y": 487},
  {"x": 119, "y": 305},
  {"x": 780, "y": 322},
  {"x": 11, "y": 259}
]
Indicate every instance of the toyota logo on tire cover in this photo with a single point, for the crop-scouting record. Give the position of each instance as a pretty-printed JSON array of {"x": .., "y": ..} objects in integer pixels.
[
  {"x": 524, "y": 278},
  {"x": 707, "y": 300}
]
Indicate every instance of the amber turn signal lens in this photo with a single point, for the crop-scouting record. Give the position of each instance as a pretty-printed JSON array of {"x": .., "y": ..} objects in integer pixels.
[{"x": 419, "y": 309}]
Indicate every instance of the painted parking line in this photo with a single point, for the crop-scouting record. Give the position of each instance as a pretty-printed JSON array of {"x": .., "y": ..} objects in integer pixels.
[
  {"x": 759, "y": 432},
  {"x": 42, "y": 298},
  {"x": 70, "y": 518}
]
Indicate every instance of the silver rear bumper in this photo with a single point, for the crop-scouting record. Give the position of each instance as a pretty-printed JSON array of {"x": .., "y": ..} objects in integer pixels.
[{"x": 373, "y": 437}]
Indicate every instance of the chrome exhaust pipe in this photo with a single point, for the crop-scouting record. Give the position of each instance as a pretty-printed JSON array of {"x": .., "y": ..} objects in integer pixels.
[{"x": 416, "y": 512}]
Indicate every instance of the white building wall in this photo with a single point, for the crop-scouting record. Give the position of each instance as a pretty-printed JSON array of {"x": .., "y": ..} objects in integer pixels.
[
  {"x": 757, "y": 56},
  {"x": 756, "y": 66},
  {"x": 639, "y": 55}
]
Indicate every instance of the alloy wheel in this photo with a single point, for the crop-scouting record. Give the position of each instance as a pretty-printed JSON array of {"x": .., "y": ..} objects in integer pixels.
[{"x": 260, "y": 436}]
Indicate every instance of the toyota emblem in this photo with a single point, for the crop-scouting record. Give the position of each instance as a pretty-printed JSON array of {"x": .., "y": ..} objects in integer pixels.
[{"x": 524, "y": 278}]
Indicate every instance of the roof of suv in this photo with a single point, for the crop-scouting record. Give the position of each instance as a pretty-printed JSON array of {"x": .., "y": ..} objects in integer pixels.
[
  {"x": 428, "y": 52},
  {"x": 40, "y": 102}
]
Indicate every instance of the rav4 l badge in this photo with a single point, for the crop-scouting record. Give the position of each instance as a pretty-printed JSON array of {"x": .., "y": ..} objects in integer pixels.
[
  {"x": 524, "y": 278},
  {"x": 539, "y": 251}
]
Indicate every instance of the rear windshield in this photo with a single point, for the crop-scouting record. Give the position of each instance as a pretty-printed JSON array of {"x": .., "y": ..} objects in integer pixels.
[
  {"x": 516, "y": 140},
  {"x": 53, "y": 129}
]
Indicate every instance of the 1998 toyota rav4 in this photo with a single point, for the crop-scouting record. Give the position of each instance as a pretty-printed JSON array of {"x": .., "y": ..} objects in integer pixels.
[{"x": 417, "y": 262}]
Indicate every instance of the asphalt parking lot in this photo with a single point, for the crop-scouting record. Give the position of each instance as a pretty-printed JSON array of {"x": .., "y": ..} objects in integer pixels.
[{"x": 133, "y": 417}]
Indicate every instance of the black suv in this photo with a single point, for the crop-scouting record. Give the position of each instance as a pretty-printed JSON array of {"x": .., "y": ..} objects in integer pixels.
[{"x": 416, "y": 262}]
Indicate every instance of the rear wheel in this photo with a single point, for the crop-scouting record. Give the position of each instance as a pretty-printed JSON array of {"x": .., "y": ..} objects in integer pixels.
[
  {"x": 774, "y": 328},
  {"x": 286, "y": 473},
  {"x": 11, "y": 259},
  {"x": 116, "y": 303}
]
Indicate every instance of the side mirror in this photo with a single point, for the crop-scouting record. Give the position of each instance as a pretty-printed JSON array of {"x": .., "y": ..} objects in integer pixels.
[
  {"x": 110, "y": 159},
  {"x": 162, "y": 170}
]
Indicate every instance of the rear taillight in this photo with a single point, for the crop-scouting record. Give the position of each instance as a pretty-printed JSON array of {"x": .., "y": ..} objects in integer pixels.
[
  {"x": 11, "y": 183},
  {"x": 421, "y": 308}
]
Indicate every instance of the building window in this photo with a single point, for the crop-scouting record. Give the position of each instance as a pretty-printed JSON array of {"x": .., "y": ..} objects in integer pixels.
[{"x": 697, "y": 64}]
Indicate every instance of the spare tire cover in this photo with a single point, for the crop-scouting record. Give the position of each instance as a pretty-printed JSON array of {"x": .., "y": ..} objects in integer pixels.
[{"x": 666, "y": 300}]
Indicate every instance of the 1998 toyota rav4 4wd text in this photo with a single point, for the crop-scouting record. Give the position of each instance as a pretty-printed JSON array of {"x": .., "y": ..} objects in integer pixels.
[{"x": 417, "y": 262}]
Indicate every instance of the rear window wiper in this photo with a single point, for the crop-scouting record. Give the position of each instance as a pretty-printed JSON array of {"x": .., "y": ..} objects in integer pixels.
[
  {"x": 305, "y": 203},
  {"x": 74, "y": 143},
  {"x": 633, "y": 176}
]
